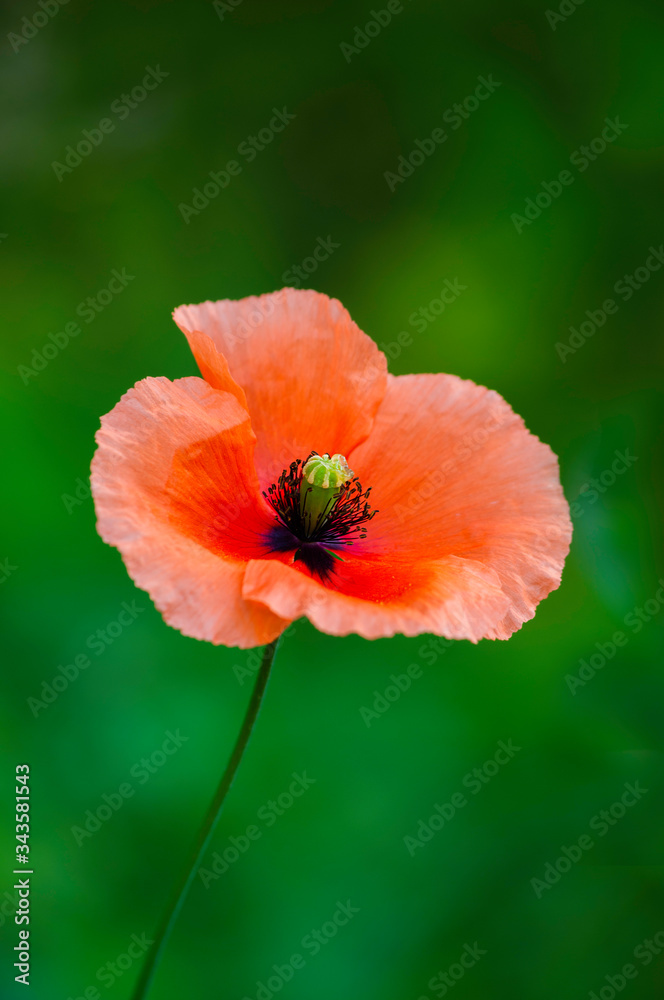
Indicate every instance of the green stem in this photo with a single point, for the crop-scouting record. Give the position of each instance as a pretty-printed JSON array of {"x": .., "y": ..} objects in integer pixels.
[{"x": 207, "y": 829}]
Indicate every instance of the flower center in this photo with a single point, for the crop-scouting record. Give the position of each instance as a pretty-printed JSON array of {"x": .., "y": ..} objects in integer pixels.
[{"x": 319, "y": 507}]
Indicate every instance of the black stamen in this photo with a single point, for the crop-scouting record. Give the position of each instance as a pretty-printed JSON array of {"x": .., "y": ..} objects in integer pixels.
[{"x": 342, "y": 522}]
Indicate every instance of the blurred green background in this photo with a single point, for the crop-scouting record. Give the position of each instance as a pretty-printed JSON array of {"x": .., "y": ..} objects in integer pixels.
[{"x": 323, "y": 177}]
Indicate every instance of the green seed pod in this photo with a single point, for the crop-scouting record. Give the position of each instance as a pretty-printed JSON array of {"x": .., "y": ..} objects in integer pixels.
[{"x": 322, "y": 479}]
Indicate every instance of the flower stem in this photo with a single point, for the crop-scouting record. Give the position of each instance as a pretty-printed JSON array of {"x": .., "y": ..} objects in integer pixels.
[{"x": 207, "y": 829}]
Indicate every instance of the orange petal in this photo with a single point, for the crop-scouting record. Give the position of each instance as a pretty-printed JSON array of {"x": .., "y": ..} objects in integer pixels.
[
  {"x": 213, "y": 366},
  {"x": 176, "y": 492},
  {"x": 312, "y": 379},
  {"x": 376, "y": 598},
  {"x": 455, "y": 472}
]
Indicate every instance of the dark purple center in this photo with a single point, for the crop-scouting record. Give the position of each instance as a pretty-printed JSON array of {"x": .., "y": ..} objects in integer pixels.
[{"x": 316, "y": 543}]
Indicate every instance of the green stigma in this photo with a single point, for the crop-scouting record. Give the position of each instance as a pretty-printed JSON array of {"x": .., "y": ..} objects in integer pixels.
[
  {"x": 322, "y": 481},
  {"x": 326, "y": 472}
]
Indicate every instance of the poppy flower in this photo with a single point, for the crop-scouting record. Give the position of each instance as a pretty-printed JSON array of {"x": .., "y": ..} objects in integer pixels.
[{"x": 298, "y": 478}]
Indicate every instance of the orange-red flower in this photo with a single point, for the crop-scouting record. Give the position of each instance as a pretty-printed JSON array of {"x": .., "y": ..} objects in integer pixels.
[{"x": 199, "y": 483}]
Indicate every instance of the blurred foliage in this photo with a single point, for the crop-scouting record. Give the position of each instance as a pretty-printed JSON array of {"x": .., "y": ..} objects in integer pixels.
[{"x": 228, "y": 67}]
